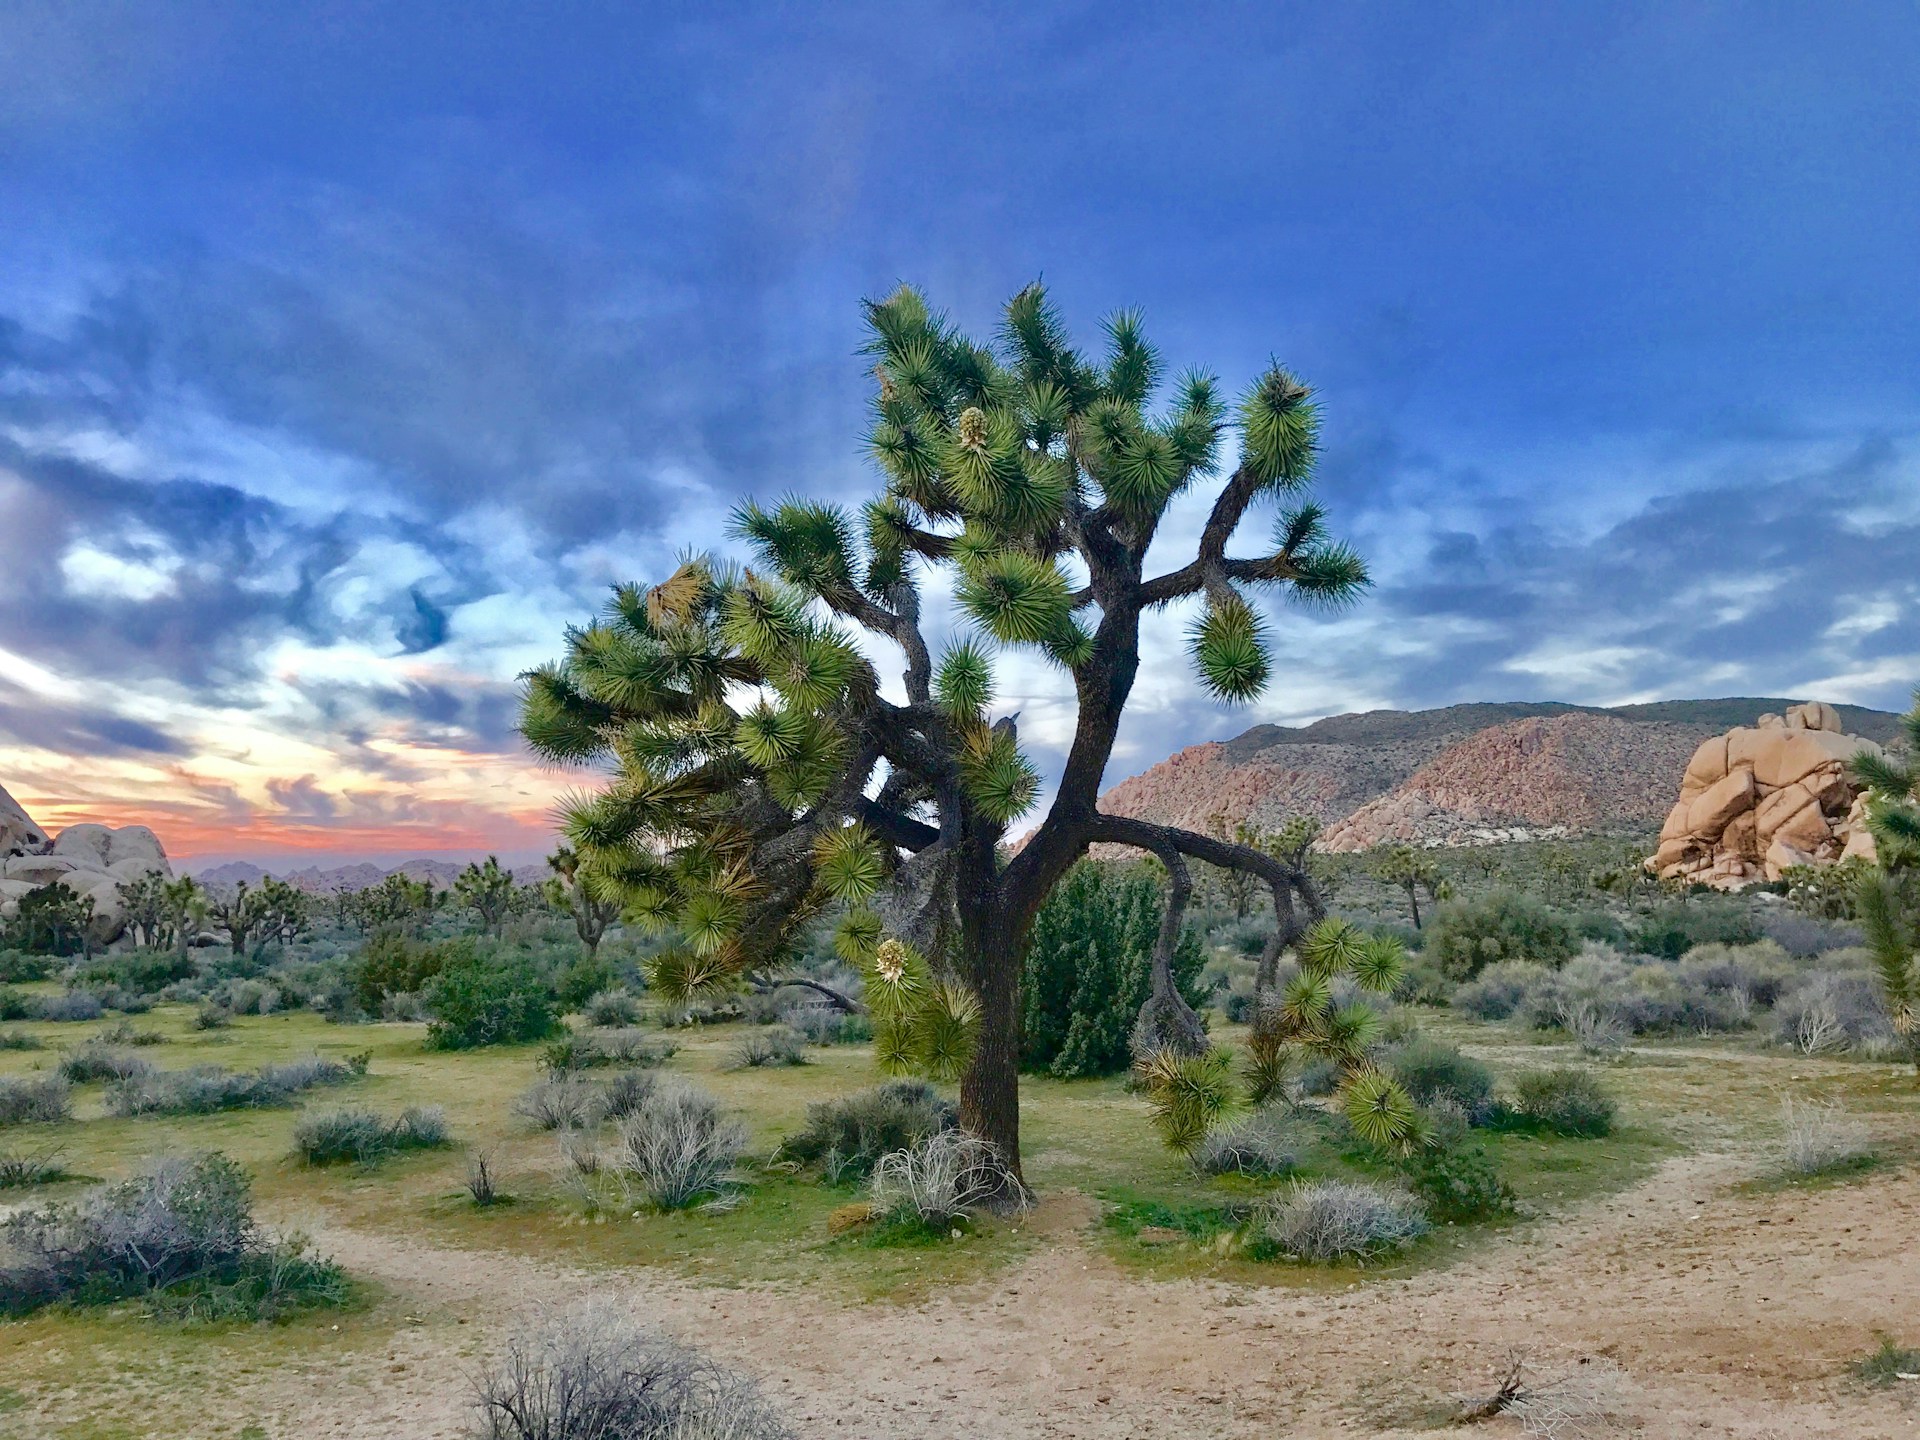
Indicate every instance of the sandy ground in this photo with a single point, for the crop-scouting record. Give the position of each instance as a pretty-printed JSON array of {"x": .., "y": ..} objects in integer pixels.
[{"x": 1727, "y": 1313}]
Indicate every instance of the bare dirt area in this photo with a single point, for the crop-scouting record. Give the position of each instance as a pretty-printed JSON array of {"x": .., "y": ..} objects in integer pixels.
[{"x": 1728, "y": 1313}]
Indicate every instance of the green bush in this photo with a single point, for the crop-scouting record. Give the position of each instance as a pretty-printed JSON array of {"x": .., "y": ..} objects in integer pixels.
[
  {"x": 1466, "y": 936},
  {"x": 483, "y": 999},
  {"x": 17, "y": 967},
  {"x": 392, "y": 964},
  {"x": 585, "y": 978},
  {"x": 1458, "y": 1181},
  {"x": 326, "y": 1137},
  {"x": 180, "y": 1235},
  {"x": 1089, "y": 970},
  {"x": 1566, "y": 1101},
  {"x": 1672, "y": 930},
  {"x": 142, "y": 972},
  {"x": 847, "y": 1137},
  {"x": 1430, "y": 1071}
]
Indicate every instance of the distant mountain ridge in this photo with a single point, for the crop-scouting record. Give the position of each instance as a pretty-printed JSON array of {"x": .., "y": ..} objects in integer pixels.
[{"x": 1462, "y": 774}]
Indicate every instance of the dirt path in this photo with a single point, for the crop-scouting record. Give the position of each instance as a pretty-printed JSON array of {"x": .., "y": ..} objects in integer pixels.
[{"x": 1731, "y": 1314}]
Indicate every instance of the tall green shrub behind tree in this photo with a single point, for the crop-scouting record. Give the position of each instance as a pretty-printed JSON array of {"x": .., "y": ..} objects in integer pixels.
[
  {"x": 1090, "y": 969},
  {"x": 759, "y": 772},
  {"x": 1888, "y": 901}
]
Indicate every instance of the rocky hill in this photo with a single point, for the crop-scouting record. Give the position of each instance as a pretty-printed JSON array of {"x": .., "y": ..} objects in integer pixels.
[{"x": 1460, "y": 775}]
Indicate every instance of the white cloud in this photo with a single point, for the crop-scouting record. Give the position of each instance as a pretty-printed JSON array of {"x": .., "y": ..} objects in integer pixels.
[{"x": 94, "y": 573}]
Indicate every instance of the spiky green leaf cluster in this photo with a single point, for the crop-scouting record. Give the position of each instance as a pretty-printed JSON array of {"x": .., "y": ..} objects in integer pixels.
[
  {"x": 1887, "y": 903},
  {"x": 1187, "y": 1095},
  {"x": 922, "y": 1024},
  {"x": 1307, "y": 1019}
]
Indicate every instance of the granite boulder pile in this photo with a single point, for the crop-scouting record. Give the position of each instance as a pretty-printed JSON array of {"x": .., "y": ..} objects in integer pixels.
[
  {"x": 1759, "y": 800},
  {"x": 92, "y": 860}
]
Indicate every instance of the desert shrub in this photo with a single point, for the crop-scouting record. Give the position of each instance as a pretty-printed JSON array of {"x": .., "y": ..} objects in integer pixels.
[
  {"x": 326, "y": 1137},
  {"x": 1089, "y": 969},
  {"x": 20, "y": 1171},
  {"x": 76, "y": 1006},
  {"x": 848, "y": 1136},
  {"x": 824, "y": 1025},
  {"x": 940, "y": 1180},
  {"x": 592, "y": 1371},
  {"x": 1832, "y": 1012},
  {"x": 581, "y": 980},
  {"x": 1317, "y": 1078},
  {"x": 1430, "y": 1071},
  {"x": 1887, "y": 1366},
  {"x": 1423, "y": 982},
  {"x": 139, "y": 972},
  {"x": 18, "y": 967},
  {"x": 96, "y": 1060},
  {"x": 21, "y": 1040},
  {"x": 1602, "y": 927},
  {"x": 559, "y": 1101},
  {"x": 123, "y": 1032},
  {"x": 35, "y": 1100},
  {"x": 1336, "y": 1220},
  {"x": 1758, "y": 973},
  {"x": 483, "y": 1186},
  {"x": 1664, "y": 999},
  {"x": 180, "y": 1234},
  {"x": 392, "y": 964},
  {"x": 1264, "y": 1143},
  {"x": 1803, "y": 936},
  {"x": 485, "y": 999},
  {"x": 774, "y": 1045},
  {"x": 211, "y": 1016},
  {"x": 248, "y": 997},
  {"x": 599, "y": 1049},
  {"x": 679, "y": 1149},
  {"x": 205, "y": 1089},
  {"x": 1672, "y": 930},
  {"x": 1821, "y": 1139},
  {"x": 1456, "y": 1180},
  {"x": 1466, "y": 936},
  {"x": 623, "y": 1094},
  {"x": 1566, "y": 1101},
  {"x": 611, "y": 1009}
]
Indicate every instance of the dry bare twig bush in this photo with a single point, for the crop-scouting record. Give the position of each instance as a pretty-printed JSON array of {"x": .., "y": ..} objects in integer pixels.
[
  {"x": 592, "y": 1371},
  {"x": 1338, "y": 1220},
  {"x": 26, "y": 1100},
  {"x": 942, "y": 1179},
  {"x": 1821, "y": 1138},
  {"x": 678, "y": 1149},
  {"x": 1589, "y": 1400}
]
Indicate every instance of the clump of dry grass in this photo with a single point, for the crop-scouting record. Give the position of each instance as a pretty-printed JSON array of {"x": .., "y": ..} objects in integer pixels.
[{"x": 1821, "y": 1139}]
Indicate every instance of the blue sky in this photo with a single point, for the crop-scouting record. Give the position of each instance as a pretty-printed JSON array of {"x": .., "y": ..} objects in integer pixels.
[{"x": 347, "y": 354}]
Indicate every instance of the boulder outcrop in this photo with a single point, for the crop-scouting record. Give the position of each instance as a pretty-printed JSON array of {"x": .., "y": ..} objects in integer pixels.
[
  {"x": 88, "y": 859},
  {"x": 1761, "y": 799}
]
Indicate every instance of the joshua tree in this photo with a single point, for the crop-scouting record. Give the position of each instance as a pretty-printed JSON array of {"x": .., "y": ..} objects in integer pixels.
[
  {"x": 1888, "y": 902},
  {"x": 574, "y": 894},
  {"x": 1407, "y": 868},
  {"x": 487, "y": 890},
  {"x": 759, "y": 772},
  {"x": 241, "y": 912}
]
